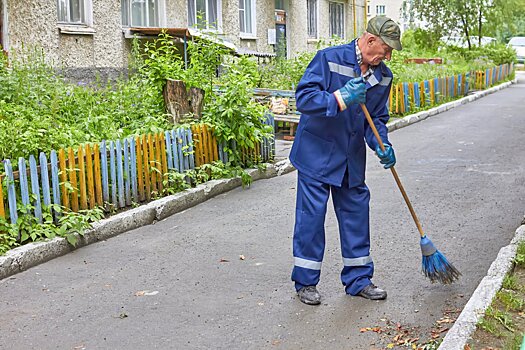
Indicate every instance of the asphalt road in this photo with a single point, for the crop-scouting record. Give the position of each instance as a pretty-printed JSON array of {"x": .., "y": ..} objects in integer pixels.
[{"x": 217, "y": 276}]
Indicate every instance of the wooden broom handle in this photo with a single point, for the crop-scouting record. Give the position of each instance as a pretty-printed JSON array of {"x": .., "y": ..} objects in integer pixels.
[{"x": 394, "y": 172}]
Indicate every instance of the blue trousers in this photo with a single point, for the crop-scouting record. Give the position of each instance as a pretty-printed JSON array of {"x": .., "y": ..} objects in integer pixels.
[{"x": 352, "y": 210}]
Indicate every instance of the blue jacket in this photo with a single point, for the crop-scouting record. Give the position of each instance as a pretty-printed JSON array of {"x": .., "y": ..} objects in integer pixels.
[{"x": 327, "y": 141}]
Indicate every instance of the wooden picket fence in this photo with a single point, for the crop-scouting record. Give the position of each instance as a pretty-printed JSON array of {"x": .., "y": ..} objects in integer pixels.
[
  {"x": 111, "y": 174},
  {"x": 406, "y": 96}
]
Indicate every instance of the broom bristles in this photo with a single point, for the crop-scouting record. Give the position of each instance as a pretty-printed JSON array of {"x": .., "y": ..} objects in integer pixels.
[{"x": 435, "y": 265}]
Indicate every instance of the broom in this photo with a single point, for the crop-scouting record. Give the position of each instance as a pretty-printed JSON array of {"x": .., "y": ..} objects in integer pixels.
[{"x": 434, "y": 265}]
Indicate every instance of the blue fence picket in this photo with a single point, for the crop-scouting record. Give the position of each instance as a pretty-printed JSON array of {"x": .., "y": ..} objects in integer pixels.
[
  {"x": 180, "y": 144},
  {"x": 184, "y": 136},
  {"x": 11, "y": 193},
  {"x": 427, "y": 92},
  {"x": 134, "y": 181},
  {"x": 44, "y": 179},
  {"x": 169, "y": 151},
  {"x": 35, "y": 188},
  {"x": 113, "y": 173},
  {"x": 127, "y": 178},
  {"x": 120, "y": 174},
  {"x": 417, "y": 100},
  {"x": 175, "y": 150},
  {"x": 406, "y": 95},
  {"x": 104, "y": 171},
  {"x": 191, "y": 156},
  {"x": 24, "y": 186},
  {"x": 437, "y": 92}
]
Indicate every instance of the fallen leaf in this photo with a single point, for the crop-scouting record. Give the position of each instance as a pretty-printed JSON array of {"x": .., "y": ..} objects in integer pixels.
[
  {"x": 224, "y": 260},
  {"x": 466, "y": 347},
  {"x": 241, "y": 257},
  {"x": 140, "y": 293},
  {"x": 390, "y": 346}
]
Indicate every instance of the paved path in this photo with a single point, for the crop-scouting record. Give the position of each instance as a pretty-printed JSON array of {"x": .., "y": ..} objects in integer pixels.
[{"x": 181, "y": 284}]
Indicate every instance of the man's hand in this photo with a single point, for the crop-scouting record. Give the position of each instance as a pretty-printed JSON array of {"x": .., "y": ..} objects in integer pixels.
[
  {"x": 353, "y": 92},
  {"x": 388, "y": 157}
]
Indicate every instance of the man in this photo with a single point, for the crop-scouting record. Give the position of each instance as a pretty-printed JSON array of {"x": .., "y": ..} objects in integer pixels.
[{"x": 330, "y": 156}]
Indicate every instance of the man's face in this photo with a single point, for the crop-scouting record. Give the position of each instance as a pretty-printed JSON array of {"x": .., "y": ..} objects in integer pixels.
[{"x": 377, "y": 51}]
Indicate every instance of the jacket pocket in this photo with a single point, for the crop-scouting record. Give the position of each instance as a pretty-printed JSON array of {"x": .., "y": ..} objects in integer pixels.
[{"x": 314, "y": 152}]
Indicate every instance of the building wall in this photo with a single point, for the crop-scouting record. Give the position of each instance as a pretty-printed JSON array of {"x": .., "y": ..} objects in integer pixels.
[
  {"x": 106, "y": 50},
  {"x": 392, "y": 10}
]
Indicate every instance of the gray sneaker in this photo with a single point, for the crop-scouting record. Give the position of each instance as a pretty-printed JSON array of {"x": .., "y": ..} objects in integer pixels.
[
  {"x": 309, "y": 295},
  {"x": 372, "y": 292}
]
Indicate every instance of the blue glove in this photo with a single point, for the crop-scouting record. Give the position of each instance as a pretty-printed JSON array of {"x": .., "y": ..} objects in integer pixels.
[
  {"x": 353, "y": 92},
  {"x": 388, "y": 158}
]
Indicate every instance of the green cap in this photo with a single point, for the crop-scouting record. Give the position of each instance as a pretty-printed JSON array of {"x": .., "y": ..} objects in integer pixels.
[{"x": 387, "y": 30}]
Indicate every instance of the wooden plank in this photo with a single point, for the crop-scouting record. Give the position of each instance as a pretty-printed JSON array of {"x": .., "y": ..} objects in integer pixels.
[
  {"x": 35, "y": 188},
  {"x": 197, "y": 145},
  {"x": 158, "y": 161},
  {"x": 92, "y": 201},
  {"x": 113, "y": 174},
  {"x": 73, "y": 179},
  {"x": 82, "y": 178},
  {"x": 152, "y": 165},
  {"x": 391, "y": 98},
  {"x": 97, "y": 176},
  {"x": 133, "y": 170},
  {"x": 140, "y": 171},
  {"x": 146, "y": 167},
  {"x": 127, "y": 177},
  {"x": 169, "y": 152},
  {"x": 24, "y": 185},
  {"x": 44, "y": 178},
  {"x": 184, "y": 149},
  {"x": 11, "y": 193},
  {"x": 120, "y": 175},
  {"x": 189, "y": 137},
  {"x": 175, "y": 150},
  {"x": 104, "y": 169},
  {"x": 163, "y": 159},
  {"x": 55, "y": 180}
]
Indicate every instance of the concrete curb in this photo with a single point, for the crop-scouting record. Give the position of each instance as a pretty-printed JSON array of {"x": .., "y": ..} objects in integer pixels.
[
  {"x": 32, "y": 254},
  {"x": 465, "y": 325}
]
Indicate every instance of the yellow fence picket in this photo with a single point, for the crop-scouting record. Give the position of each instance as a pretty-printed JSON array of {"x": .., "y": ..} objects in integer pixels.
[
  {"x": 73, "y": 179},
  {"x": 90, "y": 178},
  {"x": 151, "y": 171},
  {"x": 82, "y": 179}
]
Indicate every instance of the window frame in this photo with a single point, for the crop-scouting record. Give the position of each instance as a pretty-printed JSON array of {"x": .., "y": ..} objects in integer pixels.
[
  {"x": 342, "y": 25},
  {"x": 378, "y": 7},
  {"x": 128, "y": 24},
  {"x": 312, "y": 34},
  {"x": 218, "y": 27},
  {"x": 253, "y": 18},
  {"x": 86, "y": 7}
]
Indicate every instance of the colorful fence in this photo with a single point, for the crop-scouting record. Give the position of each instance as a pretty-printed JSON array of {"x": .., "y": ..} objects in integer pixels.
[
  {"x": 405, "y": 97},
  {"x": 110, "y": 174}
]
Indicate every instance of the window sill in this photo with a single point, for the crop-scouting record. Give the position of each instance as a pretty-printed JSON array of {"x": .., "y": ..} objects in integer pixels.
[
  {"x": 247, "y": 36},
  {"x": 313, "y": 41},
  {"x": 76, "y": 30}
]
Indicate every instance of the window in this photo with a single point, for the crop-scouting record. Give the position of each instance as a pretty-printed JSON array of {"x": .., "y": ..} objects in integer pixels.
[
  {"x": 337, "y": 23},
  {"x": 74, "y": 11},
  {"x": 204, "y": 14},
  {"x": 380, "y": 9},
  {"x": 140, "y": 13},
  {"x": 311, "y": 7},
  {"x": 247, "y": 16}
]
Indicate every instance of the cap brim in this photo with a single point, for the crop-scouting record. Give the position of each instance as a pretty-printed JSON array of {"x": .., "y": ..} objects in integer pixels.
[{"x": 395, "y": 44}]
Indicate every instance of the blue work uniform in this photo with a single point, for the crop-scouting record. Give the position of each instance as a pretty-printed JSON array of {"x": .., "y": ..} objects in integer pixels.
[{"x": 330, "y": 156}]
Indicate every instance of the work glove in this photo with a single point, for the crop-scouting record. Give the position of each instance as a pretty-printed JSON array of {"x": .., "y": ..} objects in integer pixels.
[
  {"x": 388, "y": 158},
  {"x": 353, "y": 92}
]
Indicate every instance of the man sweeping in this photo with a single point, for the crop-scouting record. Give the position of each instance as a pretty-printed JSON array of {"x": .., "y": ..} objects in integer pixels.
[{"x": 330, "y": 155}]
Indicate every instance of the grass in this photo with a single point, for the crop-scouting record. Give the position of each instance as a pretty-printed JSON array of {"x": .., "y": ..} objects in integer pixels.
[{"x": 503, "y": 325}]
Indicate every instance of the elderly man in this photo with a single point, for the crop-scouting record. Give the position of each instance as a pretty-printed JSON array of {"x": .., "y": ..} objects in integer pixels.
[{"x": 330, "y": 156}]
